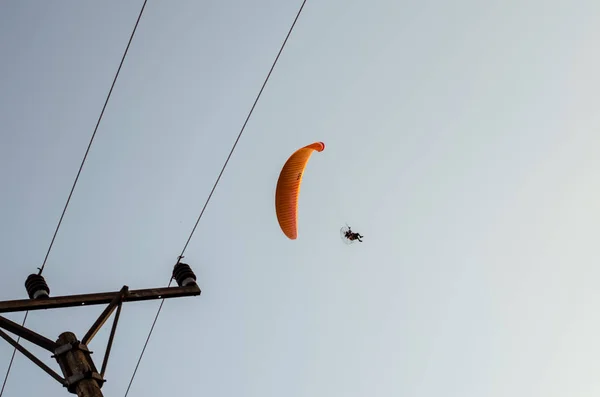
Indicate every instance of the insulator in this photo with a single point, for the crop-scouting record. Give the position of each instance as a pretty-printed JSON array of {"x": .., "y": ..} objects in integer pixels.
[
  {"x": 184, "y": 275},
  {"x": 36, "y": 287}
]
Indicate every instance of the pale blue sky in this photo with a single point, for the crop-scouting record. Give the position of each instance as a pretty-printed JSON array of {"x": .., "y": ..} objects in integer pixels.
[{"x": 461, "y": 141}]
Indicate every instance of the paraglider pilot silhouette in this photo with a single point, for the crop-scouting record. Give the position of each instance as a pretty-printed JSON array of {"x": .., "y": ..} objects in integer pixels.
[{"x": 350, "y": 235}]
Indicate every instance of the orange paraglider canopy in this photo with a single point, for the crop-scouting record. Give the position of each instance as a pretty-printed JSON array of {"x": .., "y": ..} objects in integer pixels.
[{"x": 288, "y": 188}]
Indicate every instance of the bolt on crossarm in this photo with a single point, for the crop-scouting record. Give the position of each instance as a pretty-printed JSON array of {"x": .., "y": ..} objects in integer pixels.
[{"x": 80, "y": 375}]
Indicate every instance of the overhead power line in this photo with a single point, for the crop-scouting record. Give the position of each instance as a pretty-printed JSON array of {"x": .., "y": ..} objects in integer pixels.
[
  {"x": 215, "y": 186},
  {"x": 62, "y": 215},
  {"x": 87, "y": 151}
]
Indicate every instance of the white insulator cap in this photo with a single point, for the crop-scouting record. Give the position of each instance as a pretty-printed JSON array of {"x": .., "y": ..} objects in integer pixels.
[{"x": 40, "y": 293}]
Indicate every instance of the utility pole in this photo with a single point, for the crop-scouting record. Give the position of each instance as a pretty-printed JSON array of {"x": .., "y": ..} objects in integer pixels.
[
  {"x": 80, "y": 375},
  {"x": 76, "y": 364}
]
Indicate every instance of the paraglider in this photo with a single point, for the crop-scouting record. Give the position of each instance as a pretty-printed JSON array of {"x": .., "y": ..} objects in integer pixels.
[
  {"x": 288, "y": 188},
  {"x": 348, "y": 236}
]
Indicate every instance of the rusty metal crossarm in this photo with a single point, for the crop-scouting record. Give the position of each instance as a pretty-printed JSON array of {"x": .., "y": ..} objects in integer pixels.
[
  {"x": 27, "y": 334},
  {"x": 33, "y": 358},
  {"x": 97, "y": 299},
  {"x": 105, "y": 315}
]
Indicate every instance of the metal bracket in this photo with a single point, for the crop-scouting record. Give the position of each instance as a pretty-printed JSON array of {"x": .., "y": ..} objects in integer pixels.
[
  {"x": 71, "y": 382},
  {"x": 66, "y": 348}
]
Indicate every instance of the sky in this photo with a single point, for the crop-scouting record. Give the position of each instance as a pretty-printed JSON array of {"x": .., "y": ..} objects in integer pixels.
[{"x": 461, "y": 141}]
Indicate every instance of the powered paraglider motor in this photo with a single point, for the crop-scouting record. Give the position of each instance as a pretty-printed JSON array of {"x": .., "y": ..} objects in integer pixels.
[{"x": 348, "y": 236}]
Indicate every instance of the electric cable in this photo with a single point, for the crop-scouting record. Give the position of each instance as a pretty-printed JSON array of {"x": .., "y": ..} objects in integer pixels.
[
  {"x": 41, "y": 269},
  {"x": 87, "y": 151},
  {"x": 215, "y": 186}
]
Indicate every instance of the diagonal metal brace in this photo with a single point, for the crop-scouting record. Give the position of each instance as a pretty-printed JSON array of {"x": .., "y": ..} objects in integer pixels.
[
  {"x": 105, "y": 315},
  {"x": 33, "y": 358},
  {"x": 110, "y": 340},
  {"x": 28, "y": 334}
]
